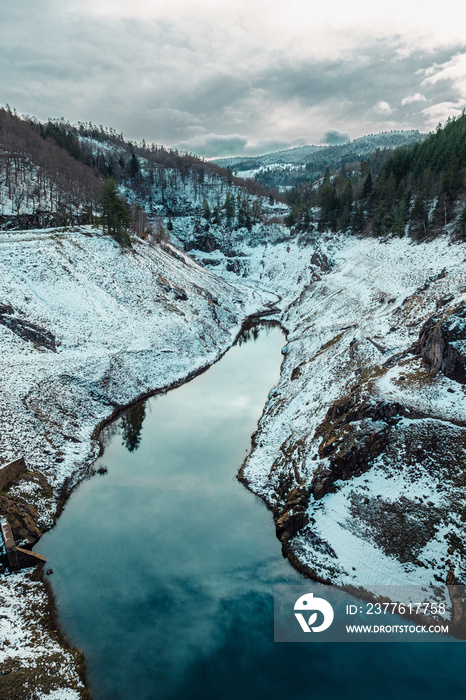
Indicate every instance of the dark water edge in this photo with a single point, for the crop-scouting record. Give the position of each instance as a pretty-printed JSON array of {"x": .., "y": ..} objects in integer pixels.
[{"x": 166, "y": 610}]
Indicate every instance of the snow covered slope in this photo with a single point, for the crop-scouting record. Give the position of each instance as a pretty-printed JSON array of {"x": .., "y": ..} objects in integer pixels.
[
  {"x": 361, "y": 451},
  {"x": 110, "y": 325},
  {"x": 85, "y": 328}
]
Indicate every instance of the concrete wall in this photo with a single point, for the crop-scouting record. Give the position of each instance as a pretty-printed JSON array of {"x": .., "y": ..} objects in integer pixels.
[{"x": 11, "y": 473}]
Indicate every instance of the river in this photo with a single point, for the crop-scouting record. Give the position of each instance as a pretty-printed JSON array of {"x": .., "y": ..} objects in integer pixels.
[{"x": 164, "y": 565}]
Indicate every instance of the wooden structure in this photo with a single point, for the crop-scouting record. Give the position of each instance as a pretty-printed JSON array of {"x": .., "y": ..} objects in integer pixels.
[
  {"x": 18, "y": 557},
  {"x": 9, "y": 541}
]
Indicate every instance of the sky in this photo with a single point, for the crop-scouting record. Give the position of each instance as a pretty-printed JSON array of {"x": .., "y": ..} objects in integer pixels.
[{"x": 224, "y": 77}]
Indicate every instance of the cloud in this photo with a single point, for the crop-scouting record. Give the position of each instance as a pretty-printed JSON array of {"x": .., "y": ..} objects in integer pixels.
[
  {"x": 452, "y": 71},
  {"x": 210, "y": 81},
  {"x": 382, "y": 107},
  {"x": 411, "y": 99},
  {"x": 439, "y": 113},
  {"x": 215, "y": 145},
  {"x": 218, "y": 145},
  {"x": 271, "y": 145},
  {"x": 333, "y": 137}
]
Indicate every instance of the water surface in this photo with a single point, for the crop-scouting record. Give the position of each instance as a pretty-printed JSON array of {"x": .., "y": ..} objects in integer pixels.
[{"x": 164, "y": 566}]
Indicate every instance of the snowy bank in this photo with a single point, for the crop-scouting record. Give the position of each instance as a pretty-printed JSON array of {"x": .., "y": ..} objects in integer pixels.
[{"x": 87, "y": 327}]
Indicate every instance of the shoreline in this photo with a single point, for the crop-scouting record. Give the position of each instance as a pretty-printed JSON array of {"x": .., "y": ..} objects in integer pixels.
[
  {"x": 53, "y": 620},
  {"x": 146, "y": 323}
]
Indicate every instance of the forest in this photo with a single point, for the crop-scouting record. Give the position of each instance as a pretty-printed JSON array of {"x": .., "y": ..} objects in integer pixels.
[
  {"x": 54, "y": 173},
  {"x": 417, "y": 190}
]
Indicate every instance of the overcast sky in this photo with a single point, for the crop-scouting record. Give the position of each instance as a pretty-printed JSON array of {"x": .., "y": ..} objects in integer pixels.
[{"x": 233, "y": 78}]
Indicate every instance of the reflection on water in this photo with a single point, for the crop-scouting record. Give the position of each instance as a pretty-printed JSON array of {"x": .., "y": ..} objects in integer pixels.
[
  {"x": 165, "y": 566},
  {"x": 131, "y": 426},
  {"x": 167, "y": 561},
  {"x": 252, "y": 329}
]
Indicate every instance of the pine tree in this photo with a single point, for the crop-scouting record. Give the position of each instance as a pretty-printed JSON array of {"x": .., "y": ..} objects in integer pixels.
[
  {"x": 461, "y": 225},
  {"x": 229, "y": 206},
  {"x": 206, "y": 210},
  {"x": 116, "y": 216},
  {"x": 134, "y": 169},
  {"x": 367, "y": 188}
]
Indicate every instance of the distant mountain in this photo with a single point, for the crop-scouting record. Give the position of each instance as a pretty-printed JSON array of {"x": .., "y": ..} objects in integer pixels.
[
  {"x": 290, "y": 156},
  {"x": 284, "y": 169}
]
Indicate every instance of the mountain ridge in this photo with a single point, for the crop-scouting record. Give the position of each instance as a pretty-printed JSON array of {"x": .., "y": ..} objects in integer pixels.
[{"x": 312, "y": 160}]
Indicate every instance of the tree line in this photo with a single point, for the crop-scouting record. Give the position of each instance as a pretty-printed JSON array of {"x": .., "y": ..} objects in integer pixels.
[
  {"x": 418, "y": 189},
  {"x": 77, "y": 173}
]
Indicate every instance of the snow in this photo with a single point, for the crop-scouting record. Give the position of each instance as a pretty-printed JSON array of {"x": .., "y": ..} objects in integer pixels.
[
  {"x": 26, "y": 642},
  {"x": 123, "y": 329},
  {"x": 376, "y": 292},
  {"x": 108, "y": 312}
]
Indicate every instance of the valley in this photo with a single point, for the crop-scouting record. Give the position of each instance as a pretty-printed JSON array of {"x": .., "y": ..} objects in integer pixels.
[{"x": 360, "y": 450}]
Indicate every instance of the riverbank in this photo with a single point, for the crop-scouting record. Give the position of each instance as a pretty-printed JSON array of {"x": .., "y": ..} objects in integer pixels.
[
  {"x": 361, "y": 451},
  {"x": 89, "y": 329}
]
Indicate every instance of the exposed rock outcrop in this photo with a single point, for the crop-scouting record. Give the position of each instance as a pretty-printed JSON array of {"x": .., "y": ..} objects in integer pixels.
[
  {"x": 11, "y": 473},
  {"x": 321, "y": 260},
  {"x": 27, "y": 330},
  {"x": 293, "y": 517},
  {"x": 347, "y": 462},
  {"x": 23, "y": 518},
  {"x": 442, "y": 343},
  {"x": 350, "y": 451},
  {"x": 205, "y": 242}
]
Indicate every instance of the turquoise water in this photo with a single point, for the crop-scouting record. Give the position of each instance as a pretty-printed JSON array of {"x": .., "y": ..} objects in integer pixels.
[{"x": 164, "y": 566}]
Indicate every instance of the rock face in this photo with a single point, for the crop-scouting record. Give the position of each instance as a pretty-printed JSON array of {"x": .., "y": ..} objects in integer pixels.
[
  {"x": 205, "y": 242},
  {"x": 442, "y": 344},
  {"x": 294, "y": 515},
  {"x": 321, "y": 260},
  {"x": 17, "y": 504},
  {"x": 350, "y": 450},
  {"x": 27, "y": 330},
  {"x": 23, "y": 518},
  {"x": 348, "y": 463}
]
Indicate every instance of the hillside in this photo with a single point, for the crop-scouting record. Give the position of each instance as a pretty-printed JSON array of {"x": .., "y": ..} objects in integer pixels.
[
  {"x": 420, "y": 190},
  {"x": 53, "y": 173},
  {"x": 360, "y": 452},
  {"x": 41, "y": 183},
  {"x": 284, "y": 169}
]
